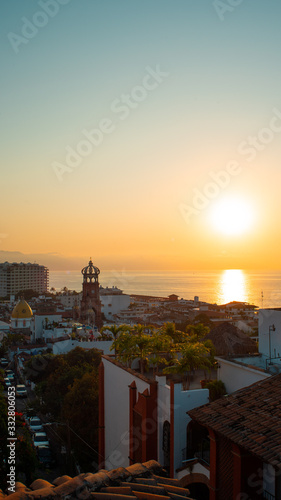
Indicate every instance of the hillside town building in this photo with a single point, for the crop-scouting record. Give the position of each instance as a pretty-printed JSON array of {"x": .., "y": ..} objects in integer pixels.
[
  {"x": 19, "y": 276},
  {"x": 90, "y": 308},
  {"x": 244, "y": 442}
]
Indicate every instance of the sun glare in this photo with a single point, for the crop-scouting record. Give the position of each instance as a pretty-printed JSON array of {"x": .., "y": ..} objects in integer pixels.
[
  {"x": 232, "y": 216},
  {"x": 232, "y": 286}
]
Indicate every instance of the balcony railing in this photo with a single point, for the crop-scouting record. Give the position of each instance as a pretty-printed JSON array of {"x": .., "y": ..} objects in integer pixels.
[
  {"x": 267, "y": 496},
  {"x": 202, "y": 453}
]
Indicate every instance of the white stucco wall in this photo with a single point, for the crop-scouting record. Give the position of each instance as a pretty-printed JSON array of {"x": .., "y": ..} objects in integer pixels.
[
  {"x": 113, "y": 304},
  {"x": 116, "y": 413},
  {"x": 163, "y": 413},
  {"x": 235, "y": 376},
  {"x": 67, "y": 345},
  {"x": 197, "y": 468},
  {"x": 39, "y": 323},
  {"x": 21, "y": 323},
  {"x": 267, "y": 318},
  {"x": 268, "y": 476},
  {"x": 56, "y": 333},
  {"x": 183, "y": 402}
]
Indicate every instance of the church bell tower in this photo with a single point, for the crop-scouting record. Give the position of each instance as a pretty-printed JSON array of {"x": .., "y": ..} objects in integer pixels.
[{"x": 90, "y": 312}]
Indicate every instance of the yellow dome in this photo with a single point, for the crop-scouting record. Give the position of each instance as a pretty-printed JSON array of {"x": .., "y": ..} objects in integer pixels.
[{"x": 22, "y": 310}]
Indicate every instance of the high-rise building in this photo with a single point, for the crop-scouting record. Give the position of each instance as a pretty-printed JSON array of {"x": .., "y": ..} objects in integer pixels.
[{"x": 15, "y": 277}]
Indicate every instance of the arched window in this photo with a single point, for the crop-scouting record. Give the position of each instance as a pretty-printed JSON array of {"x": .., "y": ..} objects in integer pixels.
[
  {"x": 166, "y": 443},
  {"x": 197, "y": 442}
]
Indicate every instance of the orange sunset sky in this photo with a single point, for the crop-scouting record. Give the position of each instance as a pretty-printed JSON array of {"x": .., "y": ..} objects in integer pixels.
[{"x": 143, "y": 134}]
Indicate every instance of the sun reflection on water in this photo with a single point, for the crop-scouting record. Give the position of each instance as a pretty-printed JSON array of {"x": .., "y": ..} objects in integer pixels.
[{"x": 232, "y": 286}]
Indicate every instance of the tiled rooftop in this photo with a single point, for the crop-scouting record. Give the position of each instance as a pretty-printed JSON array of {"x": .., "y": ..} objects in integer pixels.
[
  {"x": 137, "y": 482},
  {"x": 250, "y": 417}
]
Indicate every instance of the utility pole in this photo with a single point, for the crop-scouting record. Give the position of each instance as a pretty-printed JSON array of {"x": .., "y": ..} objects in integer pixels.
[
  {"x": 68, "y": 448},
  {"x": 271, "y": 328}
]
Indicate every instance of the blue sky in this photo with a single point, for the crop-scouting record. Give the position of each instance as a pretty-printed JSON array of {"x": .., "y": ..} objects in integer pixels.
[{"x": 223, "y": 82}]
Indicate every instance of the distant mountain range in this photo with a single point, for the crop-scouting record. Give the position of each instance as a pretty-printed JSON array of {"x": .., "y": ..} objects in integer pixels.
[
  {"x": 54, "y": 261},
  {"x": 58, "y": 262}
]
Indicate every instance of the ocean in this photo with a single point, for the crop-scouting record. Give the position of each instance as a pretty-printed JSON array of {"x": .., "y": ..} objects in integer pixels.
[{"x": 260, "y": 288}]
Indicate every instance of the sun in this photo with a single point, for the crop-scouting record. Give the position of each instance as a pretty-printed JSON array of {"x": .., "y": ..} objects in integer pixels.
[{"x": 232, "y": 216}]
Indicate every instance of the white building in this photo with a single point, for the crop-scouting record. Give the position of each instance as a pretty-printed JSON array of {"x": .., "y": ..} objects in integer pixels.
[
  {"x": 22, "y": 316},
  {"x": 241, "y": 371},
  {"x": 41, "y": 321},
  {"x": 19, "y": 276},
  {"x": 113, "y": 300},
  {"x": 4, "y": 327},
  {"x": 142, "y": 418},
  {"x": 64, "y": 346},
  {"x": 70, "y": 299}
]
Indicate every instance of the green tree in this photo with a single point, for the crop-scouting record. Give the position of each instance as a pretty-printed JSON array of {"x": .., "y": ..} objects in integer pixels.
[
  {"x": 216, "y": 389},
  {"x": 203, "y": 319},
  {"x": 160, "y": 344},
  {"x": 177, "y": 336},
  {"x": 191, "y": 356},
  {"x": 3, "y": 440},
  {"x": 79, "y": 409},
  {"x": 199, "y": 331},
  {"x": 130, "y": 346},
  {"x": 115, "y": 331}
]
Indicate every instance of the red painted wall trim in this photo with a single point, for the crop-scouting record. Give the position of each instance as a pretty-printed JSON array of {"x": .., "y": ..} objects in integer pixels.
[
  {"x": 172, "y": 423},
  {"x": 132, "y": 403},
  {"x": 154, "y": 417},
  {"x": 213, "y": 465},
  {"x": 237, "y": 470},
  {"x": 101, "y": 417}
]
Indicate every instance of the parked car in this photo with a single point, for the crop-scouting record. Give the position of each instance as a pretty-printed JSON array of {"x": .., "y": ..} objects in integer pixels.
[
  {"x": 21, "y": 391},
  {"x": 40, "y": 439},
  {"x": 10, "y": 374},
  {"x": 35, "y": 424},
  {"x": 7, "y": 382},
  {"x": 45, "y": 456},
  {"x": 4, "y": 362}
]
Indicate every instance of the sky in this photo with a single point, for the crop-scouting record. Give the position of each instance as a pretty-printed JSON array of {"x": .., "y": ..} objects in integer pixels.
[{"x": 142, "y": 133}]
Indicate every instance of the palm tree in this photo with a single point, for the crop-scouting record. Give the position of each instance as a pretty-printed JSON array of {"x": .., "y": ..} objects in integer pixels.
[
  {"x": 176, "y": 335},
  {"x": 192, "y": 356},
  {"x": 130, "y": 346},
  {"x": 199, "y": 331},
  {"x": 160, "y": 344},
  {"x": 115, "y": 331}
]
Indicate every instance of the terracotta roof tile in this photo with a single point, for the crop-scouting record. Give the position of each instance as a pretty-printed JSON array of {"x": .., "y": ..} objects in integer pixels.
[
  {"x": 175, "y": 489},
  {"x": 18, "y": 495},
  {"x": 146, "y": 480},
  {"x": 249, "y": 417},
  {"x": 61, "y": 480},
  {"x": 68, "y": 487},
  {"x": 121, "y": 490},
  {"x": 148, "y": 496},
  {"x": 40, "y": 483},
  {"x": 155, "y": 490},
  {"x": 166, "y": 480},
  {"x": 131, "y": 483},
  {"x": 112, "y": 496}
]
